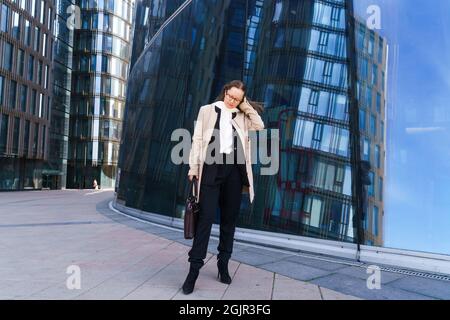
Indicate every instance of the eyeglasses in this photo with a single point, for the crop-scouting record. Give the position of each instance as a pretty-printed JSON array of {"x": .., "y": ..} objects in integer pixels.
[{"x": 232, "y": 98}]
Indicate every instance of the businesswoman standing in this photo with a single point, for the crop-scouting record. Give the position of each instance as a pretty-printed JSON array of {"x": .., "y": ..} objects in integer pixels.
[{"x": 222, "y": 182}]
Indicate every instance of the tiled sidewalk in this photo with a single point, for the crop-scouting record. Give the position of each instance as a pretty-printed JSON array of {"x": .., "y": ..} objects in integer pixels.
[{"x": 45, "y": 232}]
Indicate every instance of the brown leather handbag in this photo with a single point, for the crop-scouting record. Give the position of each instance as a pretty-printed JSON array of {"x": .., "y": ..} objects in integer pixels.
[{"x": 191, "y": 211}]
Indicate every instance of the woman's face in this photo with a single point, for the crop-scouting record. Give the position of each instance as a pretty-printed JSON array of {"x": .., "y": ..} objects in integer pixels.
[{"x": 233, "y": 97}]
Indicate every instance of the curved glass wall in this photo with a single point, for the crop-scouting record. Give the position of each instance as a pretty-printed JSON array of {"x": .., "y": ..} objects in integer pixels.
[
  {"x": 416, "y": 213},
  {"x": 208, "y": 44},
  {"x": 332, "y": 97},
  {"x": 102, "y": 51}
]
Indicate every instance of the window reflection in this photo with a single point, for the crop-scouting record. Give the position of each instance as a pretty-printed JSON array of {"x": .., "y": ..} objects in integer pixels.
[{"x": 303, "y": 81}]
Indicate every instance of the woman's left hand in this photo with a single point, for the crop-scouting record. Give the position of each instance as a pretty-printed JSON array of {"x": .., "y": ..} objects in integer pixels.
[{"x": 245, "y": 106}]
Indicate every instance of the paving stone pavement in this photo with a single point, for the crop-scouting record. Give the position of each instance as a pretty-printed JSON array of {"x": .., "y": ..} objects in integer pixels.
[{"x": 46, "y": 233}]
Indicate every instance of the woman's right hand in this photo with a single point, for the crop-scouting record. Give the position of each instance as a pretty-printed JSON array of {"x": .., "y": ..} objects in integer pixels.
[{"x": 192, "y": 177}]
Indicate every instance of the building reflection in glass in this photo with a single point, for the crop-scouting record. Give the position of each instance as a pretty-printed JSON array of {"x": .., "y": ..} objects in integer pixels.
[{"x": 293, "y": 55}]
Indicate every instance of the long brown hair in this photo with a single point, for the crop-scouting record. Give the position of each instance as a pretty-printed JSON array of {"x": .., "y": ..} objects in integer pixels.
[{"x": 240, "y": 85}]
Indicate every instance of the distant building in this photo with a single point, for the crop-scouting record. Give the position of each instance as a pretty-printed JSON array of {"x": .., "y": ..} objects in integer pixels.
[
  {"x": 55, "y": 174},
  {"x": 101, "y": 58},
  {"x": 26, "y": 78}
]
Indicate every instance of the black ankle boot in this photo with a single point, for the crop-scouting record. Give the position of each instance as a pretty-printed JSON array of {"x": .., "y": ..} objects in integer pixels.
[
  {"x": 223, "y": 274},
  {"x": 189, "y": 283}
]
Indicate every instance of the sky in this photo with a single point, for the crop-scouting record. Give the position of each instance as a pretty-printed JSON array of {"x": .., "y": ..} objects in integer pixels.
[{"x": 417, "y": 183}]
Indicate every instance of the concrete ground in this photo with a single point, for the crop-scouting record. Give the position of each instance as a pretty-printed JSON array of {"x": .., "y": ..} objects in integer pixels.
[{"x": 49, "y": 238}]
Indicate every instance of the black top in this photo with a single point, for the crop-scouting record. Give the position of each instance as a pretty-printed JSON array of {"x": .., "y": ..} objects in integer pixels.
[{"x": 212, "y": 169}]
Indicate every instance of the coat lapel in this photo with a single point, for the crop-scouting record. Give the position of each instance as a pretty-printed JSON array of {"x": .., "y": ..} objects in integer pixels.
[
  {"x": 237, "y": 122},
  {"x": 210, "y": 122}
]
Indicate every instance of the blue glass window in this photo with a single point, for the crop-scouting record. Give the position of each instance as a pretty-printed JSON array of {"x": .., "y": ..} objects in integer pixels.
[
  {"x": 279, "y": 39},
  {"x": 106, "y": 23},
  {"x": 5, "y": 18},
  {"x": 33, "y": 102},
  {"x": 362, "y": 119},
  {"x": 378, "y": 102},
  {"x": 104, "y": 63},
  {"x": 296, "y": 37},
  {"x": 7, "y": 58},
  {"x": 380, "y": 188},
  {"x": 16, "y": 19},
  {"x": 269, "y": 94},
  {"x": 23, "y": 97},
  {"x": 93, "y": 66},
  {"x": 371, "y": 44},
  {"x": 107, "y": 43},
  {"x": 26, "y": 139},
  {"x": 380, "y": 50},
  {"x": 277, "y": 12},
  {"x": 27, "y": 32},
  {"x": 375, "y": 220},
  {"x": 20, "y": 61},
  {"x": 12, "y": 94},
  {"x": 16, "y": 131},
  {"x": 83, "y": 63},
  {"x": 37, "y": 36},
  {"x": 327, "y": 72},
  {"x": 369, "y": 97},
  {"x": 360, "y": 38},
  {"x": 35, "y": 140},
  {"x": 341, "y": 107},
  {"x": 95, "y": 21},
  {"x": 364, "y": 68},
  {"x": 371, "y": 186},
  {"x": 373, "y": 125},
  {"x": 377, "y": 156},
  {"x": 366, "y": 149},
  {"x": 374, "y": 74},
  {"x": 42, "y": 15}
]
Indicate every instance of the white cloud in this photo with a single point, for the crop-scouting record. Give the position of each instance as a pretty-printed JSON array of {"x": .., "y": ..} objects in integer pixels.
[{"x": 423, "y": 130}]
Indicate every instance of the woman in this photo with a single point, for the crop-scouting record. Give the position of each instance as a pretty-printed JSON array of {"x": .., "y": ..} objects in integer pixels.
[{"x": 221, "y": 182}]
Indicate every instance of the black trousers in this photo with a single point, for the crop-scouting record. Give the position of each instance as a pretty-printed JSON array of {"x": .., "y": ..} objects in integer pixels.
[{"x": 225, "y": 191}]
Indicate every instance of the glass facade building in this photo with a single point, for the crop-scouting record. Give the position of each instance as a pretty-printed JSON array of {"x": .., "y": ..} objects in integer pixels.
[
  {"x": 102, "y": 50},
  {"x": 371, "y": 86},
  {"x": 26, "y": 77},
  {"x": 293, "y": 55},
  {"x": 149, "y": 16},
  {"x": 56, "y": 172}
]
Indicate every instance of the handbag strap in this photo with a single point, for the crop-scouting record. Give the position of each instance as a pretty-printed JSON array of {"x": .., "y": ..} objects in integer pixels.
[{"x": 194, "y": 188}]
